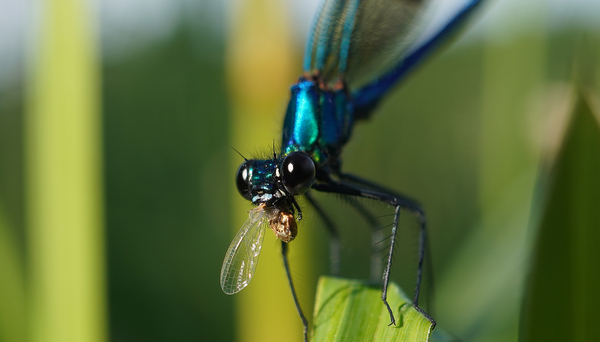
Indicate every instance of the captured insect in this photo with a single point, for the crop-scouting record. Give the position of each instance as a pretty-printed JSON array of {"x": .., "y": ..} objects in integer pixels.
[{"x": 357, "y": 51}]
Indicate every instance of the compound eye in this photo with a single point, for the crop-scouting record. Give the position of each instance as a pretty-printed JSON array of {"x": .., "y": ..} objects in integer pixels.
[
  {"x": 243, "y": 180},
  {"x": 298, "y": 173}
]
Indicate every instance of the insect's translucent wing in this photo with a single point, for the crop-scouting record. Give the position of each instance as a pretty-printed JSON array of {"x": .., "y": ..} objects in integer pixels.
[
  {"x": 432, "y": 37},
  {"x": 361, "y": 39},
  {"x": 242, "y": 256}
]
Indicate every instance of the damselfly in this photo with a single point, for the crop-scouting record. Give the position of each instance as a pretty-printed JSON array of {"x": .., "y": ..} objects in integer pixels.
[{"x": 357, "y": 51}]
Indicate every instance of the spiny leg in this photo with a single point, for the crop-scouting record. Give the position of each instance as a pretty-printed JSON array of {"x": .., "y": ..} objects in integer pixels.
[
  {"x": 416, "y": 209},
  {"x": 284, "y": 251},
  {"x": 403, "y": 200},
  {"x": 361, "y": 188},
  {"x": 422, "y": 243},
  {"x": 334, "y": 238},
  {"x": 388, "y": 266}
]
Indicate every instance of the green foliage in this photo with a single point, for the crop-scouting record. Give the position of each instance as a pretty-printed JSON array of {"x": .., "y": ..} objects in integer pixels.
[
  {"x": 66, "y": 283},
  {"x": 562, "y": 302},
  {"x": 350, "y": 310}
]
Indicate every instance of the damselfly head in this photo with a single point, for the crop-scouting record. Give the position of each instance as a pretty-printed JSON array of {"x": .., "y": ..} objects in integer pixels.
[
  {"x": 275, "y": 180},
  {"x": 272, "y": 184}
]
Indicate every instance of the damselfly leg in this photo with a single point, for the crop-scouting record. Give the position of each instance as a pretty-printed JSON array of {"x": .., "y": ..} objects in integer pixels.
[
  {"x": 354, "y": 186},
  {"x": 286, "y": 264}
]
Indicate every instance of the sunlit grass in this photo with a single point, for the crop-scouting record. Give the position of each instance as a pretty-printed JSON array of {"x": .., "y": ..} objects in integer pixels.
[
  {"x": 64, "y": 196},
  {"x": 352, "y": 310}
]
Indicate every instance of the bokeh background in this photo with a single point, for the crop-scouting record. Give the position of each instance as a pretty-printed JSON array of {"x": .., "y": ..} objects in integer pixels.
[{"x": 117, "y": 200}]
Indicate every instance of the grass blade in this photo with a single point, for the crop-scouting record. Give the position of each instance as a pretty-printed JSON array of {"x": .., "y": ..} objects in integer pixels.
[
  {"x": 63, "y": 174},
  {"x": 561, "y": 301},
  {"x": 350, "y": 310}
]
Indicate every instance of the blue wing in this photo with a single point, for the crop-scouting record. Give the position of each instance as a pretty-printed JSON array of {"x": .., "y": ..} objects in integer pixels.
[
  {"x": 369, "y": 44},
  {"x": 367, "y": 96},
  {"x": 358, "y": 40}
]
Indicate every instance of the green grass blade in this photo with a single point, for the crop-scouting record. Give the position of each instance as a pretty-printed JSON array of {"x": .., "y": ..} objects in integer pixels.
[
  {"x": 63, "y": 174},
  {"x": 562, "y": 302},
  {"x": 350, "y": 310}
]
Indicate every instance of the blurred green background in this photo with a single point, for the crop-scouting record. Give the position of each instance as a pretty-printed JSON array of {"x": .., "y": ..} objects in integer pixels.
[{"x": 472, "y": 135}]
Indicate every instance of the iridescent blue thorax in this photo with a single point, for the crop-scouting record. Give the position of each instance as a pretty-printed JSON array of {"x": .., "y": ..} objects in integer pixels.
[{"x": 318, "y": 121}]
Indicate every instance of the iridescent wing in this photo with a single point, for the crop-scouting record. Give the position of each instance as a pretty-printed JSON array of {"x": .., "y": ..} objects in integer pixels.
[
  {"x": 242, "y": 256},
  {"x": 373, "y": 44},
  {"x": 360, "y": 39},
  {"x": 368, "y": 95}
]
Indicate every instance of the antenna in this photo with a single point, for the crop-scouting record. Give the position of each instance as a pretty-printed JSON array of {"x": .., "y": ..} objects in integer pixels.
[{"x": 238, "y": 152}]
